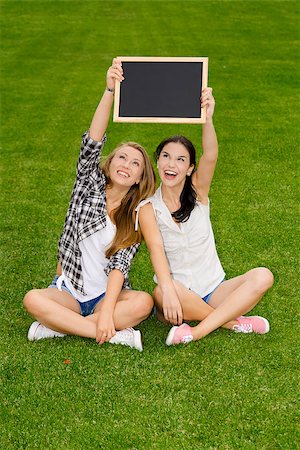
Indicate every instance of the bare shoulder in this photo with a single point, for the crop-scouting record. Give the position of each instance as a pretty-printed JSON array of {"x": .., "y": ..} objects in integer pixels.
[
  {"x": 148, "y": 224},
  {"x": 147, "y": 209}
]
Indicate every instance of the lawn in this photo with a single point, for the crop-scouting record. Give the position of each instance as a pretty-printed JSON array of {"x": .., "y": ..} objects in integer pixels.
[{"x": 228, "y": 391}]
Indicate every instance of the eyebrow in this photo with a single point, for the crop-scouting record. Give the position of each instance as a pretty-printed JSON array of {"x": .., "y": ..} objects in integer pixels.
[
  {"x": 179, "y": 156},
  {"x": 134, "y": 159}
]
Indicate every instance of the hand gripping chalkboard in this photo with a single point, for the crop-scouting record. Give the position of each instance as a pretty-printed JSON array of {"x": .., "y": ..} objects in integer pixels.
[{"x": 157, "y": 89}]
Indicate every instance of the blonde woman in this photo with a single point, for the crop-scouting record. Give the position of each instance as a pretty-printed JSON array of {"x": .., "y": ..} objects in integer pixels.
[{"x": 90, "y": 295}]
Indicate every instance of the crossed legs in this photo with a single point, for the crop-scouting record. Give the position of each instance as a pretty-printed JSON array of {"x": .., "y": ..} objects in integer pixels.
[
  {"x": 59, "y": 311},
  {"x": 233, "y": 298}
]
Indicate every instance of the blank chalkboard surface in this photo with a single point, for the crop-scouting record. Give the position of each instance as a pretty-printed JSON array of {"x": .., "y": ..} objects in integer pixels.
[{"x": 157, "y": 89}]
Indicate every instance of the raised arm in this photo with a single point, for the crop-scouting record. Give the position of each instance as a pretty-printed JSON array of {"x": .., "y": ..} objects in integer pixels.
[
  {"x": 171, "y": 305},
  {"x": 203, "y": 176},
  {"x": 102, "y": 113}
]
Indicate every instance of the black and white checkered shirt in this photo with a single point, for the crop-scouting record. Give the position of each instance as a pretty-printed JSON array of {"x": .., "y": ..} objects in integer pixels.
[{"x": 87, "y": 214}]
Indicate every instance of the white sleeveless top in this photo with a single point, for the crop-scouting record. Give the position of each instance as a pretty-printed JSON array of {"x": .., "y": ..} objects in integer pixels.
[
  {"x": 93, "y": 262},
  {"x": 189, "y": 246}
]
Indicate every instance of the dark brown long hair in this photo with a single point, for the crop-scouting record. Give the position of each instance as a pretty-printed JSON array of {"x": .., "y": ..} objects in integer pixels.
[
  {"x": 124, "y": 215},
  {"x": 188, "y": 194}
]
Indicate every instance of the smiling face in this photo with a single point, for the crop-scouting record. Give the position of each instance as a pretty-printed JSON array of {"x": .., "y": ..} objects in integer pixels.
[
  {"x": 126, "y": 167},
  {"x": 174, "y": 164}
]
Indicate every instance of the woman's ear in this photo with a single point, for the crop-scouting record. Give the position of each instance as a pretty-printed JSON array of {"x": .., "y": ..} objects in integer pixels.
[{"x": 191, "y": 168}]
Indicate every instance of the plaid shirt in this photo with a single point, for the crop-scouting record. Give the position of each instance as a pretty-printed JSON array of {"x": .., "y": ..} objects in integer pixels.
[{"x": 87, "y": 214}]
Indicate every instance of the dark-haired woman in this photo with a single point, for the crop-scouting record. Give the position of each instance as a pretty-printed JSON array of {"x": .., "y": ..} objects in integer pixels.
[
  {"x": 91, "y": 296},
  {"x": 176, "y": 225}
]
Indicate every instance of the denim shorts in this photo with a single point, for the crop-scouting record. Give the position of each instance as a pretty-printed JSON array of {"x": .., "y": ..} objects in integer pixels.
[
  {"x": 207, "y": 297},
  {"x": 86, "y": 308}
]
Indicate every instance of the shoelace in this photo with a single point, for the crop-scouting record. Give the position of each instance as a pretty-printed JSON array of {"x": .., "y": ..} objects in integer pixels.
[
  {"x": 42, "y": 330},
  {"x": 244, "y": 327},
  {"x": 47, "y": 332},
  {"x": 126, "y": 334},
  {"x": 187, "y": 339}
]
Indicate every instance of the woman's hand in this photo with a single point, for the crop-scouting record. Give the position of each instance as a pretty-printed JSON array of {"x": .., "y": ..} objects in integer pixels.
[
  {"x": 172, "y": 308},
  {"x": 115, "y": 72},
  {"x": 102, "y": 113},
  {"x": 105, "y": 327},
  {"x": 208, "y": 101}
]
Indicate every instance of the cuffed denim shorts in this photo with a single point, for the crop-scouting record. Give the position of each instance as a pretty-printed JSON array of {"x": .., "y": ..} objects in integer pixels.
[{"x": 86, "y": 308}]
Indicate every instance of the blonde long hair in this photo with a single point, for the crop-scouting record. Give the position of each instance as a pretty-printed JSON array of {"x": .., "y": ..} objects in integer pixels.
[{"x": 124, "y": 215}]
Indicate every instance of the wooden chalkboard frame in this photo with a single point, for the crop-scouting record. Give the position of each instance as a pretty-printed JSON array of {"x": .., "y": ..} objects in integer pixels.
[{"x": 120, "y": 90}]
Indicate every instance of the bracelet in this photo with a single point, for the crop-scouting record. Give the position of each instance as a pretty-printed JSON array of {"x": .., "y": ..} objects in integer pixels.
[{"x": 110, "y": 90}]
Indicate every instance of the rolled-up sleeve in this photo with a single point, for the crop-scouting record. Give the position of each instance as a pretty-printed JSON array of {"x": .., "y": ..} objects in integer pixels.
[
  {"x": 122, "y": 260},
  {"x": 90, "y": 154}
]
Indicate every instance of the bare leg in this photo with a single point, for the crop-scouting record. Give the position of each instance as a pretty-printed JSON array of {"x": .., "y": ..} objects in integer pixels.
[
  {"x": 193, "y": 307},
  {"x": 131, "y": 308},
  {"x": 59, "y": 311},
  {"x": 234, "y": 298}
]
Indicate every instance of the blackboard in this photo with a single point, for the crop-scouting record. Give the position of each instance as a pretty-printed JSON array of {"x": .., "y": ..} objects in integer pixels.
[{"x": 157, "y": 89}]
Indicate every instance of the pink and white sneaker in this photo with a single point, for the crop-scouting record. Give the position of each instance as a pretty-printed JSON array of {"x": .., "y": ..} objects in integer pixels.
[
  {"x": 180, "y": 335},
  {"x": 252, "y": 324}
]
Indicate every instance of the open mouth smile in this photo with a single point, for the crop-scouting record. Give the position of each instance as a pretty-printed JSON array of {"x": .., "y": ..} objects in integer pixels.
[
  {"x": 123, "y": 174},
  {"x": 170, "y": 174}
]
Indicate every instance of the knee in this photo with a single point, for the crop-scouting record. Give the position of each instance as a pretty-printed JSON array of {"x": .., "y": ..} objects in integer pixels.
[
  {"x": 145, "y": 304},
  {"x": 263, "y": 279},
  {"x": 157, "y": 294},
  {"x": 32, "y": 301}
]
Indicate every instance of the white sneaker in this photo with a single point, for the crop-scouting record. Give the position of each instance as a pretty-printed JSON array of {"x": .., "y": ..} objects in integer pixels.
[
  {"x": 38, "y": 331},
  {"x": 130, "y": 337}
]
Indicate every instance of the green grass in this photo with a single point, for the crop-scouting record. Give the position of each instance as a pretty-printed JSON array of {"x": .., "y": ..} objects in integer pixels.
[{"x": 227, "y": 391}]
